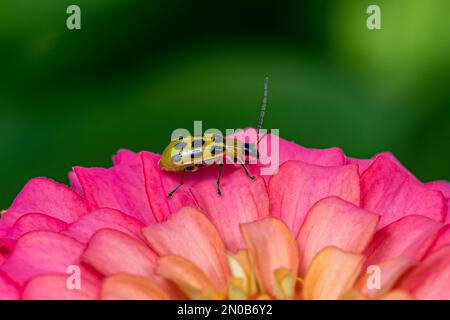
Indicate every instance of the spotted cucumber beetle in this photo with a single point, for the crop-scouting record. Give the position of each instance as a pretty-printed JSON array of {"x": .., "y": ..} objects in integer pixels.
[{"x": 191, "y": 153}]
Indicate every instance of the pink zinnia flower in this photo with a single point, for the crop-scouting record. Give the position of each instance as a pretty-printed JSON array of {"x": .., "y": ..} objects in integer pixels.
[{"x": 317, "y": 229}]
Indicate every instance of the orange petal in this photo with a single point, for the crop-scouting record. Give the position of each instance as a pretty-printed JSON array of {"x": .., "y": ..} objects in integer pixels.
[
  {"x": 397, "y": 295},
  {"x": 54, "y": 287},
  {"x": 189, "y": 234},
  {"x": 271, "y": 246},
  {"x": 187, "y": 276},
  {"x": 334, "y": 222},
  {"x": 124, "y": 286},
  {"x": 331, "y": 274},
  {"x": 352, "y": 295},
  {"x": 110, "y": 251}
]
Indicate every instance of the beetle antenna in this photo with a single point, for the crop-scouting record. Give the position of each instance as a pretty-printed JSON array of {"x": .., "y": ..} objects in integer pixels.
[
  {"x": 263, "y": 110},
  {"x": 264, "y": 103}
]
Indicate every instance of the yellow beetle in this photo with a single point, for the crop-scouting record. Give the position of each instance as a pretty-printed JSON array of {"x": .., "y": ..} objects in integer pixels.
[{"x": 191, "y": 153}]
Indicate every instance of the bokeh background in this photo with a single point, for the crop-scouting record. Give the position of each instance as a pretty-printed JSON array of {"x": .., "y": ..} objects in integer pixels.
[{"x": 139, "y": 69}]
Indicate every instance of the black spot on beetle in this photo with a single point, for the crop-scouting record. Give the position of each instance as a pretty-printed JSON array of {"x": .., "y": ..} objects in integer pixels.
[
  {"x": 246, "y": 149},
  {"x": 196, "y": 154}
]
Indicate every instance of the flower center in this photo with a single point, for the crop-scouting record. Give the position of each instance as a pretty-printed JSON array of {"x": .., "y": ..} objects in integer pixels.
[{"x": 243, "y": 283}]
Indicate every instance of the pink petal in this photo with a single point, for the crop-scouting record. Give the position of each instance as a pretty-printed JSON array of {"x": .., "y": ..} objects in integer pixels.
[
  {"x": 442, "y": 239},
  {"x": 440, "y": 185},
  {"x": 4, "y": 226},
  {"x": 447, "y": 219},
  {"x": 390, "y": 272},
  {"x": 242, "y": 200},
  {"x": 90, "y": 274},
  {"x": 291, "y": 151},
  {"x": 83, "y": 229},
  {"x": 298, "y": 186},
  {"x": 36, "y": 222},
  {"x": 362, "y": 164},
  {"x": 330, "y": 157},
  {"x": 41, "y": 252},
  {"x": 121, "y": 187},
  {"x": 41, "y": 195},
  {"x": 409, "y": 237},
  {"x": 430, "y": 279},
  {"x": 110, "y": 251},
  {"x": 159, "y": 183},
  {"x": 6, "y": 246},
  {"x": 75, "y": 183},
  {"x": 387, "y": 189},
  {"x": 54, "y": 287},
  {"x": 334, "y": 222},
  {"x": 444, "y": 187},
  {"x": 125, "y": 156},
  {"x": 8, "y": 289},
  {"x": 189, "y": 234}
]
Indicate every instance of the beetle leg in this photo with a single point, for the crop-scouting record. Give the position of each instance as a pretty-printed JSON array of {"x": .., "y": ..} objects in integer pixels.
[
  {"x": 246, "y": 172},
  {"x": 218, "y": 179},
  {"x": 179, "y": 185}
]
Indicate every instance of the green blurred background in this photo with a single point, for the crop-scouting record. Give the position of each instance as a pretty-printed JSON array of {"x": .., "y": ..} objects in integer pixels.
[{"x": 139, "y": 69}]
